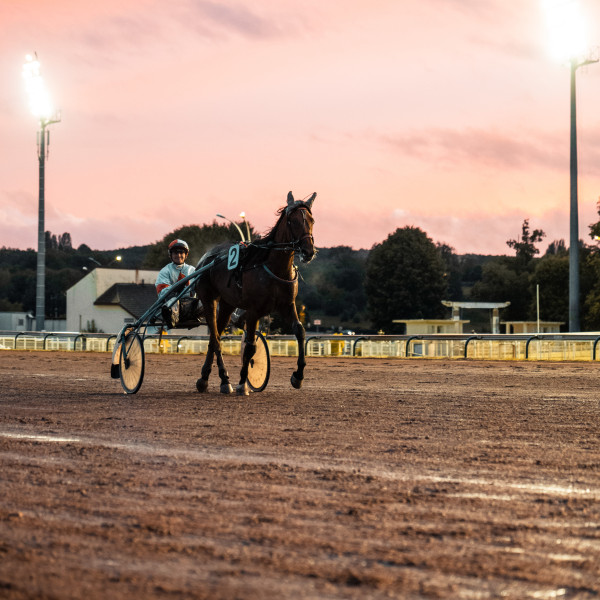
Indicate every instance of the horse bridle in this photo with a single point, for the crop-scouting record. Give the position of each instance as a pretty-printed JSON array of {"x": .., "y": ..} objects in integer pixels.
[
  {"x": 293, "y": 244},
  {"x": 296, "y": 243}
]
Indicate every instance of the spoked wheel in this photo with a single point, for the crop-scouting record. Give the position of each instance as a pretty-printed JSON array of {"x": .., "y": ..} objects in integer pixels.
[
  {"x": 260, "y": 364},
  {"x": 131, "y": 363}
]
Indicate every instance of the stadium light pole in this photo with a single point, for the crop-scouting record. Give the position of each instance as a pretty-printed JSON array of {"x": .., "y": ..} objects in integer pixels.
[
  {"x": 42, "y": 109},
  {"x": 235, "y": 224},
  {"x": 568, "y": 43}
]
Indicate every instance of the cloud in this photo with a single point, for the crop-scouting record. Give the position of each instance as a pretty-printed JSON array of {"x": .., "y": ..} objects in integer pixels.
[
  {"x": 488, "y": 148},
  {"x": 229, "y": 18}
]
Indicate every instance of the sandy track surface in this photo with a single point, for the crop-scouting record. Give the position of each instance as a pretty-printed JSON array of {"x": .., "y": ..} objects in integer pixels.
[{"x": 378, "y": 479}]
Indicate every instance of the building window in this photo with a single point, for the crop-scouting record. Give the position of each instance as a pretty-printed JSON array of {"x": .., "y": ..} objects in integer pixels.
[
  {"x": 20, "y": 322},
  {"x": 128, "y": 320}
]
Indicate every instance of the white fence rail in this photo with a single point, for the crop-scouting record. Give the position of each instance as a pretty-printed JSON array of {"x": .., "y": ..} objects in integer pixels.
[{"x": 571, "y": 347}]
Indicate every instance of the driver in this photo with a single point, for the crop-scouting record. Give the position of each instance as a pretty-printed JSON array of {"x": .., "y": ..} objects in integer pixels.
[{"x": 188, "y": 307}]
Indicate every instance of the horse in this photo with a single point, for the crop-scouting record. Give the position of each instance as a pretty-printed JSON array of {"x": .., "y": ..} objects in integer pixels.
[{"x": 259, "y": 277}]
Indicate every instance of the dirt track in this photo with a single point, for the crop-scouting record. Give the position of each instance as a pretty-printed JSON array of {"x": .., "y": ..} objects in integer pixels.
[{"x": 379, "y": 479}]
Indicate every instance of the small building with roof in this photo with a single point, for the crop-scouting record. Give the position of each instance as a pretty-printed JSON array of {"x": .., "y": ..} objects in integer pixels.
[
  {"x": 106, "y": 299},
  {"x": 533, "y": 326}
]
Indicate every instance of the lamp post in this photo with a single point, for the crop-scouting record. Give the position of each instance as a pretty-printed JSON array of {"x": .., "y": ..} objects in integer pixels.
[
  {"x": 41, "y": 107},
  {"x": 243, "y": 217},
  {"x": 234, "y": 224},
  {"x": 117, "y": 258}
]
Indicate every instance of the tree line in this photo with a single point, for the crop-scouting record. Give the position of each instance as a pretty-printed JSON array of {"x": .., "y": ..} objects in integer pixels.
[{"x": 406, "y": 276}]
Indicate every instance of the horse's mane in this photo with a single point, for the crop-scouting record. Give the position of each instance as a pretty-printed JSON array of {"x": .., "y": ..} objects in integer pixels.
[{"x": 270, "y": 234}]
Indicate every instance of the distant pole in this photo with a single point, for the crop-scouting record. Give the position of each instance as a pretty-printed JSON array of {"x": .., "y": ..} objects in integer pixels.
[
  {"x": 40, "y": 287},
  {"x": 574, "y": 324},
  {"x": 537, "y": 303}
]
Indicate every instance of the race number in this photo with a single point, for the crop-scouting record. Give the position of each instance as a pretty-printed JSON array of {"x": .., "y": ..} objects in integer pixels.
[{"x": 234, "y": 257}]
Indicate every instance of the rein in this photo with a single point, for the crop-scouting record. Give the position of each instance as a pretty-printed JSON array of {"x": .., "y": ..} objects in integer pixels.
[{"x": 269, "y": 272}]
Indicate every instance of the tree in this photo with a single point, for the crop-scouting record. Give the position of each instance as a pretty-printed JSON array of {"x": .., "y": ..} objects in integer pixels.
[
  {"x": 552, "y": 275},
  {"x": 525, "y": 249},
  {"x": 502, "y": 282},
  {"x": 404, "y": 279},
  {"x": 558, "y": 248},
  {"x": 595, "y": 227},
  {"x": 334, "y": 283},
  {"x": 452, "y": 272}
]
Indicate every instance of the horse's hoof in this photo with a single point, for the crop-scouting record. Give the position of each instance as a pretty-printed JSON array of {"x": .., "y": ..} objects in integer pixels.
[
  {"x": 226, "y": 388},
  {"x": 202, "y": 385},
  {"x": 242, "y": 390},
  {"x": 296, "y": 383}
]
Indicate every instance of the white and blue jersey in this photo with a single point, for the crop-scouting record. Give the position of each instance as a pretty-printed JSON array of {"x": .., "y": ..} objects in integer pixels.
[{"x": 171, "y": 274}]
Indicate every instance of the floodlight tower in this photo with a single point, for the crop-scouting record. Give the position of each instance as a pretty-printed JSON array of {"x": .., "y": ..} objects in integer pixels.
[
  {"x": 42, "y": 109},
  {"x": 568, "y": 43}
]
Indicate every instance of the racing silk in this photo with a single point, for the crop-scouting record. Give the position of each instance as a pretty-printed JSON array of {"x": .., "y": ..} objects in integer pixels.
[{"x": 171, "y": 274}]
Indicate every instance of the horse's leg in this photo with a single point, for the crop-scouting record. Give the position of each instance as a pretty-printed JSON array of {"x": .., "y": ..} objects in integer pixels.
[
  {"x": 214, "y": 348},
  {"x": 202, "y": 383},
  {"x": 220, "y": 323},
  {"x": 249, "y": 351},
  {"x": 209, "y": 314},
  {"x": 298, "y": 331}
]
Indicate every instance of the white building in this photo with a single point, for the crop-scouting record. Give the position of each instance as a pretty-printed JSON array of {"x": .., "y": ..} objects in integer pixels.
[
  {"x": 16, "y": 321},
  {"x": 429, "y": 326},
  {"x": 106, "y": 299}
]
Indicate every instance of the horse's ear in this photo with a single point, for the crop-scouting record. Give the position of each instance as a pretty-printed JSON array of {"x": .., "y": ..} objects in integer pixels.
[
  {"x": 311, "y": 200},
  {"x": 290, "y": 198}
]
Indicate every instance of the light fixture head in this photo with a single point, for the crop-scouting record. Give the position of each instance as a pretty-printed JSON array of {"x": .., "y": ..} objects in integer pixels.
[
  {"x": 39, "y": 99},
  {"x": 567, "y": 29}
]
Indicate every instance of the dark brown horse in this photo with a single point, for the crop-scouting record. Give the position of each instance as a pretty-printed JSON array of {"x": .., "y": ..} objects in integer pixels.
[{"x": 260, "y": 278}]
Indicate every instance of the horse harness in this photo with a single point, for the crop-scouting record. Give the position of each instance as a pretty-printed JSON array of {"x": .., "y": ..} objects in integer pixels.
[{"x": 294, "y": 244}]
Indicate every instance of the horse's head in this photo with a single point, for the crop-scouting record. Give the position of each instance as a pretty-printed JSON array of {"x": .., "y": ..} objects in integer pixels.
[{"x": 300, "y": 225}]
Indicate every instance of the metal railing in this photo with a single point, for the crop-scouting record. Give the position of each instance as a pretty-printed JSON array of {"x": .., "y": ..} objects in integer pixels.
[{"x": 550, "y": 346}]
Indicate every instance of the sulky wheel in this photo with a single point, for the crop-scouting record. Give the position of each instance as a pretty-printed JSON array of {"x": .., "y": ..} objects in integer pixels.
[
  {"x": 260, "y": 365},
  {"x": 131, "y": 363}
]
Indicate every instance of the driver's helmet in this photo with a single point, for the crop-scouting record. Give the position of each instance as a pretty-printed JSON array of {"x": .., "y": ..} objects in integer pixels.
[{"x": 179, "y": 244}]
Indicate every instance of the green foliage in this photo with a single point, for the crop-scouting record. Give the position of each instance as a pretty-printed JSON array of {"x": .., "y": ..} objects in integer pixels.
[
  {"x": 406, "y": 276},
  {"x": 552, "y": 275},
  {"x": 452, "y": 272},
  {"x": 595, "y": 227},
  {"x": 404, "y": 279},
  {"x": 502, "y": 281},
  {"x": 332, "y": 284},
  {"x": 64, "y": 267},
  {"x": 557, "y": 248},
  {"x": 525, "y": 248}
]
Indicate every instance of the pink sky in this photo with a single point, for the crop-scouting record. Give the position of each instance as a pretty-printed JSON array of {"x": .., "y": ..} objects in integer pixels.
[{"x": 449, "y": 115}]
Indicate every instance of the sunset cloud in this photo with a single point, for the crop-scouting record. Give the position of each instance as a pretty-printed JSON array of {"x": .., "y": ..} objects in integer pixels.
[
  {"x": 447, "y": 115},
  {"x": 488, "y": 148}
]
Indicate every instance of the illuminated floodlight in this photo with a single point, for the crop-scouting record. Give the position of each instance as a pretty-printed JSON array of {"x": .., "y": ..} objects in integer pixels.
[
  {"x": 567, "y": 29},
  {"x": 39, "y": 99}
]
